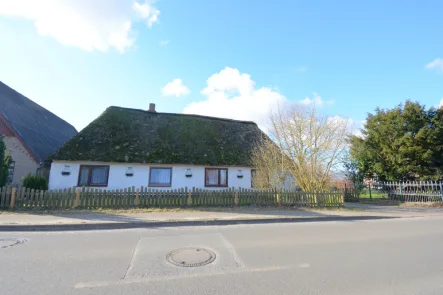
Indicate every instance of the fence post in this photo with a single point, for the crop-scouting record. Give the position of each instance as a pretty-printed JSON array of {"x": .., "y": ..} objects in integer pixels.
[
  {"x": 236, "y": 198},
  {"x": 278, "y": 198},
  {"x": 401, "y": 193},
  {"x": 189, "y": 200},
  {"x": 13, "y": 197},
  {"x": 370, "y": 193},
  {"x": 137, "y": 198},
  {"x": 441, "y": 191},
  {"x": 77, "y": 199}
]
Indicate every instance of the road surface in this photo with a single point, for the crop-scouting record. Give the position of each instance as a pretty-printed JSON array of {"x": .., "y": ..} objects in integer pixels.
[{"x": 396, "y": 256}]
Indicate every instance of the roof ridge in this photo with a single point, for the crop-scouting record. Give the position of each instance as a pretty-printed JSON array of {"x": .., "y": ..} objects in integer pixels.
[{"x": 187, "y": 115}]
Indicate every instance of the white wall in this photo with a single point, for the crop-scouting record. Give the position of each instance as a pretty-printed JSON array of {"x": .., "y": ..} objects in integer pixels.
[{"x": 118, "y": 179}]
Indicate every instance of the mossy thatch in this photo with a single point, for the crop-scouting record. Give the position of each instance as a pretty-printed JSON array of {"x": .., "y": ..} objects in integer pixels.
[{"x": 137, "y": 136}]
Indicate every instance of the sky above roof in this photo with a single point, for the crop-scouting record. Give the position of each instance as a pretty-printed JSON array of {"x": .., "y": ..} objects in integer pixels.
[{"x": 232, "y": 58}]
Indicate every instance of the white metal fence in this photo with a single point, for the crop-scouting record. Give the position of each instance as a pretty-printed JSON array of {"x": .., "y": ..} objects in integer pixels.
[{"x": 407, "y": 191}]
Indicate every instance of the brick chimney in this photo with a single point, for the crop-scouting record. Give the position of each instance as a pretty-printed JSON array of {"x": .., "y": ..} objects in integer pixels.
[{"x": 152, "y": 108}]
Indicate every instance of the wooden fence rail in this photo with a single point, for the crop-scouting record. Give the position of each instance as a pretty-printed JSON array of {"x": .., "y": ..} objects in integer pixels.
[{"x": 24, "y": 198}]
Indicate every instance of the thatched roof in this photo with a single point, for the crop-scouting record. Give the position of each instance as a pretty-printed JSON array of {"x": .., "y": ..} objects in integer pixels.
[
  {"x": 41, "y": 131},
  {"x": 137, "y": 136}
]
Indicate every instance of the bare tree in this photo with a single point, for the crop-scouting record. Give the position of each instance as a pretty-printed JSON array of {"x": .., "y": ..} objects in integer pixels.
[
  {"x": 312, "y": 145},
  {"x": 271, "y": 165}
]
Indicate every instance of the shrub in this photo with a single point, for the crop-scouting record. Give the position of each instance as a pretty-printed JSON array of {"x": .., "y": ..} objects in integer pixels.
[
  {"x": 4, "y": 162},
  {"x": 35, "y": 182}
]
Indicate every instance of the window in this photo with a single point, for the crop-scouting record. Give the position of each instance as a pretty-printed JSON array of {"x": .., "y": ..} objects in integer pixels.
[
  {"x": 216, "y": 177},
  {"x": 93, "y": 175},
  {"x": 253, "y": 175},
  {"x": 11, "y": 168},
  {"x": 160, "y": 176}
]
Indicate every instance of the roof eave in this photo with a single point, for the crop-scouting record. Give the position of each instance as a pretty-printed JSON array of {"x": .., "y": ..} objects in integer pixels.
[{"x": 15, "y": 133}]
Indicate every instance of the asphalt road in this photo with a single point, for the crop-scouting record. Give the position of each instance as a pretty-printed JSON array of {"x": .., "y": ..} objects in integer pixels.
[{"x": 400, "y": 256}]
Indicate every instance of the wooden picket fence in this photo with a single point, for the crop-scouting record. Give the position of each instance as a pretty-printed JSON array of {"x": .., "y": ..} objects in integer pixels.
[
  {"x": 23, "y": 198},
  {"x": 351, "y": 195}
]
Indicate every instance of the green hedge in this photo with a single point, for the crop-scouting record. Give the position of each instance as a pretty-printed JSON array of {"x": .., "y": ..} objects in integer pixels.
[{"x": 35, "y": 182}]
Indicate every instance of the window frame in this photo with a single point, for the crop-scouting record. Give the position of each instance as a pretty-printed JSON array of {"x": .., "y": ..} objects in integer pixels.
[
  {"x": 90, "y": 175},
  {"x": 160, "y": 185},
  {"x": 218, "y": 185}
]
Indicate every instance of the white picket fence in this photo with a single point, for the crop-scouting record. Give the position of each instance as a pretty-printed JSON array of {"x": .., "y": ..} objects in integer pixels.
[{"x": 409, "y": 191}]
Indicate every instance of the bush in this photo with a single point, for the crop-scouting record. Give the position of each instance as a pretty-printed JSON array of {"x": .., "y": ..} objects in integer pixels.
[
  {"x": 4, "y": 162},
  {"x": 35, "y": 182}
]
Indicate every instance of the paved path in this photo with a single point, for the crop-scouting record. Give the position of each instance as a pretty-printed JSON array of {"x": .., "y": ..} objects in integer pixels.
[
  {"x": 402, "y": 211},
  {"x": 72, "y": 217},
  {"x": 235, "y": 214},
  {"x": 396, "y": 256}
]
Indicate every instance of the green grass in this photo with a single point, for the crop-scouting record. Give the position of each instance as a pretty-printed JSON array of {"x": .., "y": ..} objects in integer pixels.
[{"x": 375, "y": 195}]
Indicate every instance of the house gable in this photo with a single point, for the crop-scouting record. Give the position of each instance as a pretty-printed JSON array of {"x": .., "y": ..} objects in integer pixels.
[
  {"x": 11, "y": 135},
  {"x": 40, "y": 131},
  {"x": 5, "y": 129},
  {"x": 25, "y": 162}
]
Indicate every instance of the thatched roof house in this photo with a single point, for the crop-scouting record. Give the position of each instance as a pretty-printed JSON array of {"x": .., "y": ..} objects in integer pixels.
[{"x": 131, "y": 139}]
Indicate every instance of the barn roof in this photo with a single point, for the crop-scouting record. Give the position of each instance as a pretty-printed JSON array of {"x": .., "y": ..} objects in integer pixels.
[{"x": 40, "y": 130}]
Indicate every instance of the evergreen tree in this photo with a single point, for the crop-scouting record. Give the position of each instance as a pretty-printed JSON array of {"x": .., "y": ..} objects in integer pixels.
[{"x": 403, "y": 143}]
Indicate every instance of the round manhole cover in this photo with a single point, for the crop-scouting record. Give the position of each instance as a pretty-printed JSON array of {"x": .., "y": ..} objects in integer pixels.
[
  {"x": 9, "y": 242},
  {"x": 190, "y": 257}
]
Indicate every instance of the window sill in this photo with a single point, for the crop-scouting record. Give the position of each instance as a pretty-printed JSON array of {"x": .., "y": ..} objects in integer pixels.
[{"x": 159, "y": 185}]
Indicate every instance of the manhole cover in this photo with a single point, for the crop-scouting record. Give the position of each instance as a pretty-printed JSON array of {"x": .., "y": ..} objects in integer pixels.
[
  {"x": 190, "y": 257},
  {"x": 9, "y": 242}
]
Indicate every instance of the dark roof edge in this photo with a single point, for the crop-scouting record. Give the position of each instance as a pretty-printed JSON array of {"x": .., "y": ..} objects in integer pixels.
[
  {"x": 18, "y": 136},
  {"x": 187, "y": 115},
  {"x": 39, "y": 106}
]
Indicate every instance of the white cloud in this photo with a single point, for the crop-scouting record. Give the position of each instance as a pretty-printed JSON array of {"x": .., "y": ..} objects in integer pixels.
[
  {"x": 436, "y": 64},
  {"x": 317, "y": 100},
  {"x": 175, "y": 88},
  {"x": 89, "y": 25},
  {"x": 357, "y": 126},
  {"x": 354, "y": 126},
  {"x": 164, "y": 42},
  {"x": 231, "y": 94},
  {"x": 440, "y": 105},
  {"x": 147, "y": 12}
]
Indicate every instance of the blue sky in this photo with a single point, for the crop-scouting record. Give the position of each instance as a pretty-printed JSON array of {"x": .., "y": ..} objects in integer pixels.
[{"x": 232, "y": 58}]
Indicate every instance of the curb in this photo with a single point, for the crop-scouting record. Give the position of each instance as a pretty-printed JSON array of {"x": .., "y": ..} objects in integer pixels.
[{"x": 128, "y": 225}]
